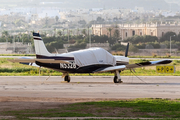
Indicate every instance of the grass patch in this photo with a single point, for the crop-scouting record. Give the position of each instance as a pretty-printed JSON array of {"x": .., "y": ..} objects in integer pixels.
[{"x": 138, "y": 108}]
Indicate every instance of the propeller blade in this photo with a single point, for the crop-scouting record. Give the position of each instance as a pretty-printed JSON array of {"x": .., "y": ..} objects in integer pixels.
[{"x": 127, "y": 48}]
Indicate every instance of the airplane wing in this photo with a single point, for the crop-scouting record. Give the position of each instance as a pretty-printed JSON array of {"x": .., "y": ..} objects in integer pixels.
[
  {"x": 38, "y": 60},
  {"x": 130, "y": 66},
  {"x": 149, "y": 63}
]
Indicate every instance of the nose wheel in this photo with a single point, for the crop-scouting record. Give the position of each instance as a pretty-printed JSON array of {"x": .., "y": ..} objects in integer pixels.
[
  {"x": 116, "y": 80},
  {"x": 117, "y": 77}
]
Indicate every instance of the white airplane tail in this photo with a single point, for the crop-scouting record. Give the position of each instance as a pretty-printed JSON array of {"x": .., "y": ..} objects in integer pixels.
[{"x": 40, "y": 47}]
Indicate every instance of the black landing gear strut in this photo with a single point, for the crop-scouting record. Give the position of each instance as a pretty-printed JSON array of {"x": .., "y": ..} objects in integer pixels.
[{"x": 117, "y": 77}]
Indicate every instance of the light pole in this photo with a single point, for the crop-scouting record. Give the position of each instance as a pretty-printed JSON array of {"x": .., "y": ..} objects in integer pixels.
[
  {"x": 90, "y": 40},
  {"x": 170, "y": 44}
]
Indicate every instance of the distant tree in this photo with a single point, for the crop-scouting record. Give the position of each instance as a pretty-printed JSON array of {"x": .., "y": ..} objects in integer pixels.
[
  {"x": 149, "y": 38},
  {"x": 100, "y": 39},
  {"x": 84, "y": 32},
  {"x": 132, "y": 48},
  {"x": 100, "y": 20},
  {"x": 54, "y": 31},
  {"x": 116, "y": 34},
  {"x": 70, "y": 32},
  {"x": 110, "y": 30},
  {"x": 141, "y": 39},
  {"x": 63, "y": 31},
  {"x": 82, "y": 22},
  {"x": 26, "y": 38},
  {"x": 178, "y": 37},
  {"x": 156, "y": 45},
  {"x": 18, "y": 22},
  {"x": 79, "y": 45},
  {"x": 167, "y": 35},
  {"x": 78, "y": 31},
  {"x": 54, "y": 45},
  {"x": 59, "y": 33},
  {"x": 118, "y": 47},
  {"x": 46, "y": 21},
  {"x": 57, "y": 19},
  {"x": 115, "y": 19},
  {"x": 5, "y": 33}
]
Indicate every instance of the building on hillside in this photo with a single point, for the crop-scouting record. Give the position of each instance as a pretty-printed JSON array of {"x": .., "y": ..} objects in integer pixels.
[{"x": 129, "y": 30}]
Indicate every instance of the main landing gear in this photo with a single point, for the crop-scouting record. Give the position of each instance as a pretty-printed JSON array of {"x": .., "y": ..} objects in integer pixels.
[
  {"x": 117, "y": 77},
  {"x": 66, "y": 77}
]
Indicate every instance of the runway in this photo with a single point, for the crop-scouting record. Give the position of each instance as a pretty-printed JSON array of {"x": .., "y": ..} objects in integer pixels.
[{"x": 35, "y": 88}]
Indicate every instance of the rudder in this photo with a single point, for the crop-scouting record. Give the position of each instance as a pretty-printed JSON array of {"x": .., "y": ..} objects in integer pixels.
[{"x": 40, "y": 48}]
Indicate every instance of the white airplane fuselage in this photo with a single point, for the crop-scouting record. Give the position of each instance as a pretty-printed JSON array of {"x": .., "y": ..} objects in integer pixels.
[{"x": 72, "y": 67}]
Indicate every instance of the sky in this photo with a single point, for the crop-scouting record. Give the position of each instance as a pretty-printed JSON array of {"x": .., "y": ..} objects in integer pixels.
[{"x": 147, "y": 4}]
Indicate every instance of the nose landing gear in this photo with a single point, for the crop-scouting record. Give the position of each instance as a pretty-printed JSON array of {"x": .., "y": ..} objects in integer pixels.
[{"x": 117, "y": 77}]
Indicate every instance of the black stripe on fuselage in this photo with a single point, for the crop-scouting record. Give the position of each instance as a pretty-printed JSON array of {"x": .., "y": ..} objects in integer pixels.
[
  {"x": 37, "y": 39},
  {"x": 55, "y": 57},
  {"x": 36, "y": 34},
  {"x": 85, "y": 69}
]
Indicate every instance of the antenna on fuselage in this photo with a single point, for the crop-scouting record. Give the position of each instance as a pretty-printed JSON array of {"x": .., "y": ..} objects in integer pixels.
[{"x": 127, "y": 48}]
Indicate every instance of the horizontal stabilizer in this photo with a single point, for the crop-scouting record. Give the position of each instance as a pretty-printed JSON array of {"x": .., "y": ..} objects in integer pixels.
[
  {"x": 38, "y": 60},
  {"x": 31, "y": 64}
]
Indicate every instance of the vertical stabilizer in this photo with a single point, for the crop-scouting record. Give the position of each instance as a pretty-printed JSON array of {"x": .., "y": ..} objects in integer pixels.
[{"x": 40, "y": 47}]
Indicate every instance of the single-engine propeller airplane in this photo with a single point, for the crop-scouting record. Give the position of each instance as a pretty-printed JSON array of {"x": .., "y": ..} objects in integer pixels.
[{"x": 92, "y": 60}]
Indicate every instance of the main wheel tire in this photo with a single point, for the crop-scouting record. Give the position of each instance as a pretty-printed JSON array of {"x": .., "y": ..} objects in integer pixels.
[
  {"x": 67, "y": 78},
  {"x": 116, "y": 80}
]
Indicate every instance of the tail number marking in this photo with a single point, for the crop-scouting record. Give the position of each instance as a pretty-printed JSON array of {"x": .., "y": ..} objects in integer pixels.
[{"x": 68, "y": 66}]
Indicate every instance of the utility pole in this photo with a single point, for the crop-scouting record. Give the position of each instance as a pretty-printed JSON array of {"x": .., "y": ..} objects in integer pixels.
[
  {"x": 90, "y": 40},
  {"x": 88, "y": 32},
  {"x": 170, "y": 44},
  {"x": 68, "y": 33},
  {"x": 14, "y": 44}
]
